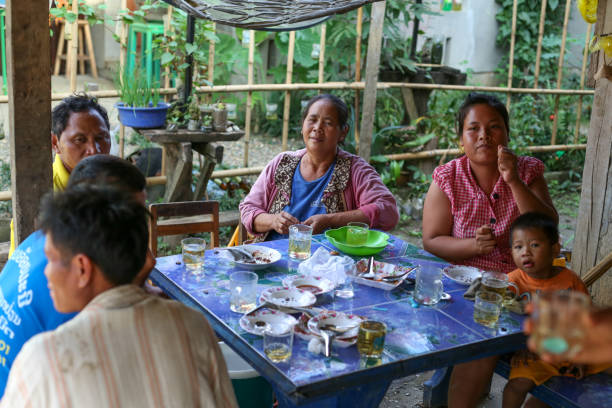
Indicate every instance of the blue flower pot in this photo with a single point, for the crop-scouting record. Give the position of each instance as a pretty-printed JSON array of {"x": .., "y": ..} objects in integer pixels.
[{"x": 143, "y": 118}]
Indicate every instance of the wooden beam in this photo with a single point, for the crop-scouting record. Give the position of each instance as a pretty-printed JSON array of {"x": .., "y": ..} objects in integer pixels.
[
  {"x": 593, "y": 233},
  {"x": 249, "y": 105},
  {"x": 587, "y": 38},
  {"x": 536, "y": 75},
  {"x": 358, "y": 72},
  {"x": 287, "y": 104},
  {"x": 73, "y": 44},
  {"x": 322, "y": 52},
  {"x": 511, "y": 59},
  {"x": 553, "y": 137},
  {"x": 28, "y": 48},
  {"x": 371, "y": 78}
]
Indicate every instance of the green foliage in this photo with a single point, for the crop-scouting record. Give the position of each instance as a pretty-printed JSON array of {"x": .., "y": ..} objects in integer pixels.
[{"x": 135, "y": 90}]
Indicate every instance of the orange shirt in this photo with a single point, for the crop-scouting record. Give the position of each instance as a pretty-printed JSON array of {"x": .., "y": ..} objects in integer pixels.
[{"x": 566, "y": 279}]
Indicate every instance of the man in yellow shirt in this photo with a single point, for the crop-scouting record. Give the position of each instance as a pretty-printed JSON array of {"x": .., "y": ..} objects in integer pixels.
[{"x": 79, "y": 129}]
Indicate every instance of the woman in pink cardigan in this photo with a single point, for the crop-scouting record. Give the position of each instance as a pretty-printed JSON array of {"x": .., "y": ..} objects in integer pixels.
[{"x": 322, "y": 186}]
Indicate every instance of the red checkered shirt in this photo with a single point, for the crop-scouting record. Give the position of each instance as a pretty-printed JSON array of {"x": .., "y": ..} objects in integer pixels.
[{"x": 471, "y": 207}]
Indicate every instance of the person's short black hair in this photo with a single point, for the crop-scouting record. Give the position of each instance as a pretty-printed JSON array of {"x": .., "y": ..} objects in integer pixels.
[
  {"x": 535, "y": 220},
  {"x": 105, "y": 224},
  {"x": 74, "y": 103},
  {"x": 104, "y": 169},
  {"x": 341, "y": 108},
  {"x": 474, "y": 98}
]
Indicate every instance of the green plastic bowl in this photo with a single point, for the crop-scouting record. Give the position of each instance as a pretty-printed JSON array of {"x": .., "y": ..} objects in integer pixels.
[{"x": 377, "y": 241}]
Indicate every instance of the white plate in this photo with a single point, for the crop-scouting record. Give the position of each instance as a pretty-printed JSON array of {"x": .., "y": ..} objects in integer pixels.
[
  {"x": 272, "y": 318},
  {"x": 337, "y": 319},
  {"x": 301, "y": 331},
  {"x": 463, "y": 275},
  {"x": 381, "y": 269},
  {"x": 264, "y": 257},
  {"x": 318, "y": 285},
  {"x": 288, "y": 297}
]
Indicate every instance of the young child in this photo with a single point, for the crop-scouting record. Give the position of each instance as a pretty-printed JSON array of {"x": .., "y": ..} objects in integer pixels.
[{"x": 534, "y": 240}]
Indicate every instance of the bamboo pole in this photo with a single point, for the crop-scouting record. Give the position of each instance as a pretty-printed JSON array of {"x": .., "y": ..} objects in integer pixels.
[
  {"x": 536, "y": 75},
  {"x": 287, "y": 107},
  {"x": 211, "y": 62},
  {"x": 122, "y": 58},
  {"x": 322, "y": 52},
  {"x": 358, "y": 73},
  {"x": 247, "y": 125},
  {"x": 246, "y": 171},
  {"x": 167, "y": 30},
  {"x": 73, "y": 44},
  {"x": 553, "y": 137},
  {"x": 582, "y": 75},
  {"x": 511, "y": 61}
]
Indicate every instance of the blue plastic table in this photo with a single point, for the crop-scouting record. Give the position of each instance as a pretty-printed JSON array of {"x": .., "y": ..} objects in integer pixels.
[{"x": 418, "y": 338}]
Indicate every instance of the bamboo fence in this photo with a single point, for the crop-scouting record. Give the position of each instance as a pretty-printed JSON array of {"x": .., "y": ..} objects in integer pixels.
[{"x": 356, "y": 86}]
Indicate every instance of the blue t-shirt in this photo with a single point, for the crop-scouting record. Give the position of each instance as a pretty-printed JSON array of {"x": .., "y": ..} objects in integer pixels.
[
  {"x": 305, "y": 197},
  {"x": 26, "y": 307}
]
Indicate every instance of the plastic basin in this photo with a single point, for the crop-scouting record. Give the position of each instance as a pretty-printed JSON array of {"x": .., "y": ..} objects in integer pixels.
[
  {"x": 143, "y": 117},
  {"x": 376, "y": 242},
  {"x": 252, "y": 390}
]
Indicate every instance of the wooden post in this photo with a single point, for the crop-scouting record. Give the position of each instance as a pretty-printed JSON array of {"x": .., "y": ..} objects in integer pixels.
[
  {"x": 122, "y": 57},
  {"x": 582, "y": 71},
  {"x": 73, "y": 44},
  {"x": 28, "y": 48},
  {"x": 167, "y": 31},
  {"x": 287, "y": 107},
  {"x": 371, "y": 78},
  {"x": 593, "y": 233},
  {"x": 247, "y": 124},
  {"x": 511, "y": 60},
  {"x": 553, "y": 137},
  {"x": 322, "y": 52},
  {"x": 358, "y": 73},
  {"x": 536, "y": 75},
  {"x": 211, "y": 63}
]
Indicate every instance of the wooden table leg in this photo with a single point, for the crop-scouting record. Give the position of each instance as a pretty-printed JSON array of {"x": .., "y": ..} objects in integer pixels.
[
  {"x": 178, "y": 158},
  {"x": 213, "y": 155}
]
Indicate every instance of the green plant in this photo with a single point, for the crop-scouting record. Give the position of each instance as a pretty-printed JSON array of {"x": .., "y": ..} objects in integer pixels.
[
  {"x": 175, "y": 115},
  {"x": 135, "y": 90},
  {"x": 194, "y": 110}
]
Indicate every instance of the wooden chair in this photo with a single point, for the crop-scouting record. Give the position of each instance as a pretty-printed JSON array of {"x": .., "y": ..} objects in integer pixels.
[{"x": 187, "y": 217}]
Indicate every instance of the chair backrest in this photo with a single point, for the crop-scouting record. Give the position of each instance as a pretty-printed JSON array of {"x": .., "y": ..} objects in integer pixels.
[{"x": 187, "y": 217}]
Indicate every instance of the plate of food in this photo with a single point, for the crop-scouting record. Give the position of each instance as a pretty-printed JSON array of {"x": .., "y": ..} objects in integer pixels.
[
  {"x": 383, "y": 275},
  {"x": 317, "y": 285},
  {"x": 261, "y": 257},
  {"x": 301, "y": 330},
  {"x": 288, "y": 297},
  {"x": 344, "y": 325},
  {"x": 260, "y": 320},
  {"x": 463, "y": 275}
]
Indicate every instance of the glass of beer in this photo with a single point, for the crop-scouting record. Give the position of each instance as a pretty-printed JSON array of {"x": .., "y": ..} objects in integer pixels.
[
  {"x": 558, "y": 319},
  {"x": 428, "y": 287},
  {"x": 357, "y": 233},
  {"x": 278, "y": 342},
  {"x": 300, "y": 237},
  {"x": 193, "y": 254},
  {"x": 487, "y": 307},
  {"x": 371, "y": 338},
  {"x": 498, "y": 282},
  {"x": 243, "y": 291}
]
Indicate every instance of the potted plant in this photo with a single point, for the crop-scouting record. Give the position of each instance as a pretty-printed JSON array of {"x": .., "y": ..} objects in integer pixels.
[
  {"x": 140, "y": 105},
  {"x": 175, "y": 118},
  {"x": 194, "y": 116},
  {"x": 219, "y": 117},
  {"x": 206, "y": 123}
]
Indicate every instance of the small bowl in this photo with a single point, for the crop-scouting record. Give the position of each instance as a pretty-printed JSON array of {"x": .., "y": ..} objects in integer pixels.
[
  {"x": 317, "y": 285},
  {"x": 288, "y": 297},
  {"x": 463, "y": 275},
  {"x": 376, "y": 242},
  {"x": 265, "y": 257}
]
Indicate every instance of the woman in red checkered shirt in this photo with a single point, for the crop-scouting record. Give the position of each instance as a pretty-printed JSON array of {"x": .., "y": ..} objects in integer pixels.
[{"x": 470, "y": 206}]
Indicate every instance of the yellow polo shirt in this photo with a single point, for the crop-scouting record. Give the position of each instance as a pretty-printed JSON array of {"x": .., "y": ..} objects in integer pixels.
[{"x": 60, "y": 181}]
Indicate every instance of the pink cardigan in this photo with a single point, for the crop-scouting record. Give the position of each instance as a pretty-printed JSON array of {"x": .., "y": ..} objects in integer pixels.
[{"x": 365, "y": 191}]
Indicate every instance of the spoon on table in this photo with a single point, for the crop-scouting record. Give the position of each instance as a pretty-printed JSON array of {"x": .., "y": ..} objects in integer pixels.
[{"x": 370, "y": 273}]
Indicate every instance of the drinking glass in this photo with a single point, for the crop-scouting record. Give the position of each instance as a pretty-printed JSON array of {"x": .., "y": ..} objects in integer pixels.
[
  {"x": 558, "y": 322},
  {"x": 278, "y": 342},
  {"x": 357, "y": 233},
  {"x": 428, "y": 287},
  {"x": 243, "y": 291},
  {"x": 300, "y": 237},
  {"x": 487, "y": 307},
  {"x": 371, "y": 338},
  {"x": 498, "y": 282},
  {"x": 193, "y": 253},
  {"x": 344, "y": 288}
]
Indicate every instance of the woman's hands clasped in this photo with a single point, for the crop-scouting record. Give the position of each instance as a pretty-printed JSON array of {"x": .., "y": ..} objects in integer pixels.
[{"x": 282, "y": 221}]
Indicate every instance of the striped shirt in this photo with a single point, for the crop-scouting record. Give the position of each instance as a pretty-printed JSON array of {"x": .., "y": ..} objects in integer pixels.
[
  {"x": 127, "y": 348},
  {"x": 471, "y": 208}
]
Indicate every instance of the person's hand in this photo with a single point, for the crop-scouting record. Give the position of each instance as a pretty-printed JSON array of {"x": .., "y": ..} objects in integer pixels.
[
  {"x": 485, "y": 240},
  {"x": 282, "y": 221},
  {"x": 507, "y": 164},
  {"x": 318, "y": 222}
]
